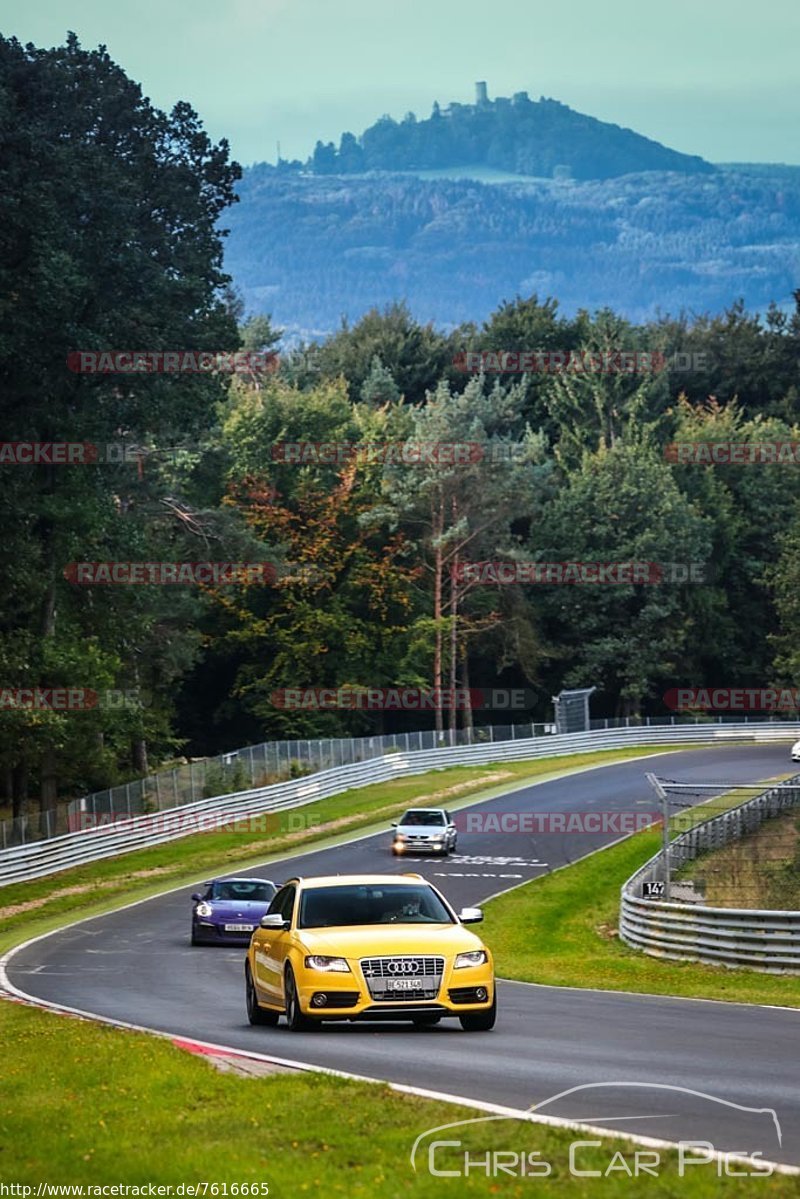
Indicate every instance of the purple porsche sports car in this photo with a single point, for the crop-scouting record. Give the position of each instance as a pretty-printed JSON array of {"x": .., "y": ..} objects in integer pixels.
[{"x": 229, "y": 909}]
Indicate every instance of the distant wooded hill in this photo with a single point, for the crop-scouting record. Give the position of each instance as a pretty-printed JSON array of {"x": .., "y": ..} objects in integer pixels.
[
  {"x": 543, "y": 138},
  {"x": 310, "y": 250}
]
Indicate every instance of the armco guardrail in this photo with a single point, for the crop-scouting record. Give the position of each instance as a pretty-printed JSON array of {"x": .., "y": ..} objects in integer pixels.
[
  {"x": 759, "y": 939},
  {"x": 39, "y": 858}
]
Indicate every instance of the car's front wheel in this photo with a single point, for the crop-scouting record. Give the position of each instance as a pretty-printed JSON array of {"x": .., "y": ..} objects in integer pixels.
[
  {"x": 295, "y": 1017},
  {"x": 479, "y": 1021},
  {"x": 256, "y": 1014}
]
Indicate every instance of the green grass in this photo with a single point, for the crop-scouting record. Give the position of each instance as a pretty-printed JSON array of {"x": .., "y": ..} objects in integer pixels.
[
  {"x": 44, "y": 903},
  {"x": 561, "y": 930},
  {"x": 89, "y": 1105}
]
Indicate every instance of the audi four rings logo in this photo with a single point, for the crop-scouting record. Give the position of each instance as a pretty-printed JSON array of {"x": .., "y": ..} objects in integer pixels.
[{"x": 403, "y": 966}]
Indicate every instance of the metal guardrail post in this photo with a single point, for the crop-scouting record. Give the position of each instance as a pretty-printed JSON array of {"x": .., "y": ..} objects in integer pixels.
[{"x": 664, "y": 800}]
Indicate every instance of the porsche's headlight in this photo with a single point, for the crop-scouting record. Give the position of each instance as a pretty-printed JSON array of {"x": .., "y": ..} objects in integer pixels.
[
  {"x": 475, "y": 957},
  {"x": 318, "y": 961},
  {"x": 204, "y": 909}
]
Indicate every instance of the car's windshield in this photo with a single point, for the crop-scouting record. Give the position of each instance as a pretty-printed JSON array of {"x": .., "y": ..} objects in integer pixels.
[
  {"x": 379, "y": 903},
  {"x": 419, "y": 817},
  {"x": 244, "y": 890}
]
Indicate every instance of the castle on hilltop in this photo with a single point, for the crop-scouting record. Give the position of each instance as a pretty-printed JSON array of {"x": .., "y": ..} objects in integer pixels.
[{"x": 482, "y": 101}]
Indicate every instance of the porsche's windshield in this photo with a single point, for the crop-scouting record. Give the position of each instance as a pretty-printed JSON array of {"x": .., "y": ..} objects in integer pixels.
[{"x": 243, "y": 890}]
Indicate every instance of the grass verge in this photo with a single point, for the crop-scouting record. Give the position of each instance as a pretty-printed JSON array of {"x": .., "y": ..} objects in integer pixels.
[
  {"x": 92, "y": 1106},
  {"x": 561, "y": 930}
]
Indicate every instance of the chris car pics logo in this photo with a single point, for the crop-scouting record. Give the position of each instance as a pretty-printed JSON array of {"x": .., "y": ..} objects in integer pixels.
[{"x": 482, "y": 1148}]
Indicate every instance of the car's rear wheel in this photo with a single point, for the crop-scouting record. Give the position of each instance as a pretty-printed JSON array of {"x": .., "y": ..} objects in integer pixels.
[
  {"x": 295, "y": 1017},
  {"x": 479, "y": 1021},
  {"x": 256, "y": 1014}
]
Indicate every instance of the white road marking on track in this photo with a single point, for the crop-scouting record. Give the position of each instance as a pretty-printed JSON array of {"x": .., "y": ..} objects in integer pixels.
[{"x": 458, "y": 874}]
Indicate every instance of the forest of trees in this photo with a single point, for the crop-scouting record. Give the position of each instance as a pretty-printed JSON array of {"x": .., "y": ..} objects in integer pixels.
[{"x": 110, "y": 239}]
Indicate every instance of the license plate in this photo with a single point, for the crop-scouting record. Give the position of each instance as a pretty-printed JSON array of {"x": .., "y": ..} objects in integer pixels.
[
  {"x": 404, "y": 984},
  {"x": 239, "y": 928}
]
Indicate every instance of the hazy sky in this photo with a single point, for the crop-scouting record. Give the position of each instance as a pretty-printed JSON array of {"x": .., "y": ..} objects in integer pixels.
[{"x": 711, "y": 77}]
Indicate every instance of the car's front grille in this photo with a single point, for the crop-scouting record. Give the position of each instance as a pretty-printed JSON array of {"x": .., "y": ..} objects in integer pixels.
[{"x": 403, "y": 977}]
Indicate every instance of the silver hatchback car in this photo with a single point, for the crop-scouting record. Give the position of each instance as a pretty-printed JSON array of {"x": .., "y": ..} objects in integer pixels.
[{"x": 425, "y": 830}]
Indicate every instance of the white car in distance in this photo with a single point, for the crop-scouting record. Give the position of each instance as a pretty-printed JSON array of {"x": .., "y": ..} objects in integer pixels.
[{"x": 425, "y": 830}]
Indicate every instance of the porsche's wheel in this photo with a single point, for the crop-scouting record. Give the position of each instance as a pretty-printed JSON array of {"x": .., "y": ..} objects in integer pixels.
[
  {"x": 194, "y": 940},
  {"x": 256, "y": 1014},
  {"x": 479, "y": 1021},
  {"x": 295, "y": 1018}
]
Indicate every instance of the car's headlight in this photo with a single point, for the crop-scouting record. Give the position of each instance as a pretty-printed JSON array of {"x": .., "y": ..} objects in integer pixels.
[
  {"x": 437, "y": 837},
  {"x": 318, "y": 961},
  {"x": 399, "y": 836},
  {"x": 474, "y": 957},
  {"x": 204, "y": 909}
]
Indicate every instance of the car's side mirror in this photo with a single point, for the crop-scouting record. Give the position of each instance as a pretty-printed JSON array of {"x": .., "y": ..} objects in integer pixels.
[
  {"x": 470, "y": 915},
  {"x": 394, "y": 824},
  {"x": 274, "y": 921},
  {"x": 197, "y": 897}
]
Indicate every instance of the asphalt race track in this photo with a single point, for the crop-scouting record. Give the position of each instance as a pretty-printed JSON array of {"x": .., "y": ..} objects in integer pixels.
[{"x": 137, "y": 965}]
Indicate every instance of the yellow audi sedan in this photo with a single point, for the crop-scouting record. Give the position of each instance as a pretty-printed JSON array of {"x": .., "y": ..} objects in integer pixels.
[{"x": 368, "y": 947}]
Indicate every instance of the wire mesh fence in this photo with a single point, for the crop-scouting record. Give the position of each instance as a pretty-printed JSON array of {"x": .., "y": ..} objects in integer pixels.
[{"x": 238, "y": 770}]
